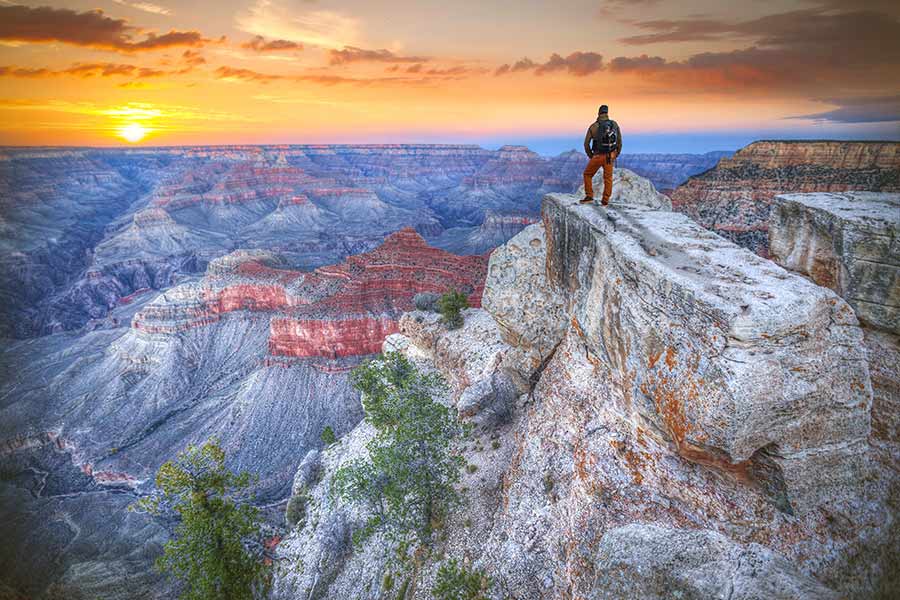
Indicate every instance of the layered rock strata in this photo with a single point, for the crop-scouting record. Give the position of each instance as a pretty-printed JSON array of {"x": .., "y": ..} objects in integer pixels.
[
  {"x": 850, "y": 243},
  {"x": 332, "y": 312},
  {"x": 733, "y": 199},
  {"x": 847, "y": 242}
]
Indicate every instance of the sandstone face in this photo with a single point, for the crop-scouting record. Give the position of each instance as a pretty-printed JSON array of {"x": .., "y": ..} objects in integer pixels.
[
  {"x": 629, "y": 189},
  {"x": 737, "y": 361},
  {"x": 734, "y": 198},
  {"x": 529, "y": 312},
  {"x": 645, "y": 561},
  {"x": 848, "y": 242}
]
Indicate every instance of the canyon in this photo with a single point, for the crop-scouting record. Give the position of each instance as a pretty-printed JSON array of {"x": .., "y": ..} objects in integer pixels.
[
  {"x": 80, "y": 229},
  {"x": 155, "y": 297},
  {"x": 734, "y": 198}
]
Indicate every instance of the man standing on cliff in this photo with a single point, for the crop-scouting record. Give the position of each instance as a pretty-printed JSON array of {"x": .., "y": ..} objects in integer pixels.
[{"x": 602, "y": 144}]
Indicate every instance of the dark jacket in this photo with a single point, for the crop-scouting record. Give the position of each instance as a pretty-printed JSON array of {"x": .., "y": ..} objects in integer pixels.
[{"x": 592, "y": 132}]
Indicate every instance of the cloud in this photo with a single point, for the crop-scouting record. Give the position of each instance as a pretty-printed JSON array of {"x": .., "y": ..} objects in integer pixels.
[
  {"x": 806, "y": 52},
  {"x": 248, "y": 75},
  {"x": 324, "y": 28},
  {"x": 85, "y": 70},
  {"x": 845, "y": 37},
  {"x": 192, "y": 58},
  {"x": 611, "y": 8},
  {"x": 637, "y": 63},
  {"x": 146, "y": 7},
  {"x": 91, "y": 28},
  {"x": 871, "y": 109},
  {"x": 578, "y": 64},
  {"x": 259, "y": 44},
  {"x": 351, "y": 54}
]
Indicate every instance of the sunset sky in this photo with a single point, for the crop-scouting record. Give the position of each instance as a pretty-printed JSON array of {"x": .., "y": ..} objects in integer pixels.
[{"x": 679, "y": 76}]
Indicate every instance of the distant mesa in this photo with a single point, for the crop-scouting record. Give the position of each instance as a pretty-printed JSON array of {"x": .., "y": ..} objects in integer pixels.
[{"x": 735, "y": 197}]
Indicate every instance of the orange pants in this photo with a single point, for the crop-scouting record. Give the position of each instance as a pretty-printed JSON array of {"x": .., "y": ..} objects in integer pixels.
[{"x": 592, "y": 167}]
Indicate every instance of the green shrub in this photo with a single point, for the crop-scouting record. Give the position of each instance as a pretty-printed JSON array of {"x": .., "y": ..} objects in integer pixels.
[
  {"x": 456, "y": 582},
  {"x": 450, "y": 305},
  {"x": 295, "y": 513},
  {"x": 407, "y": 479},
  {"x": 327, "y": 436},
  {"x": 211, "y": 550}
]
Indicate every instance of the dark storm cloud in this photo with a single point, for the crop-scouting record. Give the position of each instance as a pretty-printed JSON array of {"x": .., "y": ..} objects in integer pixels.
[
  {"x": 877, "y": 109},
  {"x": 351, "y": 54},
  {"x": 90, "y": 28}
]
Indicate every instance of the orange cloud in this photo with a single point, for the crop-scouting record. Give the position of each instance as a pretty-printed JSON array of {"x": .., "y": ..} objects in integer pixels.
[
  {"x": 578, "y": 64},
  {"x": 259, "y": 44},
  {"x": 351, "y": 54},
  {"x": 84, "y": 70}
]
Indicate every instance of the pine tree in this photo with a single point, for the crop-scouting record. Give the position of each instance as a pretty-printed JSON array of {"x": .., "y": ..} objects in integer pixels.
[{"x": 210, "y": 552}]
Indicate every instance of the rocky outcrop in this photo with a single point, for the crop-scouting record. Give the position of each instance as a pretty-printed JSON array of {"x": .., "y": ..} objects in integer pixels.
[
  {"x": 694, "y": 330},
  {"x": 733, "y": 199},
  {"x": 654, "y": 563},
  {"x": 847, "y": 242},
  {"x": 850, "y": 243},
  {"x": 657, "y": 411},
  {"x": 630, "y": 189},
  {"x": 518, "y": 295}
]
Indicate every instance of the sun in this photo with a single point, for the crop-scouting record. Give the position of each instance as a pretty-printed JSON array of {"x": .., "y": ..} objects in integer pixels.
[{"x": 133, "y": 132}]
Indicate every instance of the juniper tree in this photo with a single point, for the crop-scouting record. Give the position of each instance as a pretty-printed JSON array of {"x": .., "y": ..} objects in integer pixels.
[
  {"x": 210, "y": 552},
  {"x": 450, "y": 305},
  {"x": 406, "y": 481}
]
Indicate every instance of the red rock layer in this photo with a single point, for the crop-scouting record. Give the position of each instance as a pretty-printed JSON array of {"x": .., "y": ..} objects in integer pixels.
[
  {"x": 333, "y": 312},
  {"x": 329, "y": 339}
]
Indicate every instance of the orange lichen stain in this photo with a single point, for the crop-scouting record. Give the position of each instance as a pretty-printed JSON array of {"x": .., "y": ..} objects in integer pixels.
[
  {"x": 670, "y": 358},
  {"x": 632, "y": 459},
  {"x": 577, "y": 327},
  {"x": 653, "y": 358}
]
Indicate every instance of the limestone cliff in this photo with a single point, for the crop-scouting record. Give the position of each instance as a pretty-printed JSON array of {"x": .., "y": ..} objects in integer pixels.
[
  {"x": 657, "y": 412},
  {"x": 733, "y": 199}
]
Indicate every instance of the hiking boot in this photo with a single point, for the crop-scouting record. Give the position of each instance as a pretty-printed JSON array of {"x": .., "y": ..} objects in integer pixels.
[
  {"x": 605, "y": 202},
  {"x": 586, "y": 200}
]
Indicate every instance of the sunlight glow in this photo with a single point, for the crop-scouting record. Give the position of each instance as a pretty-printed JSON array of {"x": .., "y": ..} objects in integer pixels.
[{"x": 133, "y": 132}]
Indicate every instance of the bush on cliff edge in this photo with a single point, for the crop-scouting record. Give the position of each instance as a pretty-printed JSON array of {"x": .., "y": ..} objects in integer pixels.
[{"x": 450, "y": 305}]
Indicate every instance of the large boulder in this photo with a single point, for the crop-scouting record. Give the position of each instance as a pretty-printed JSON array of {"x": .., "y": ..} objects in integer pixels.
[
  {"x": 848, "y": 242},
  {"x": 629, "y": 189},
  {"x": 740, "y": 364},
  {"x": 657, "y": 563},
  {"x": 529, "y": 312}
]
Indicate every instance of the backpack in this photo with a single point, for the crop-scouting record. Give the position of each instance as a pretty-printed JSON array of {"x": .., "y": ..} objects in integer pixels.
[{"x": 606, "y": 139}]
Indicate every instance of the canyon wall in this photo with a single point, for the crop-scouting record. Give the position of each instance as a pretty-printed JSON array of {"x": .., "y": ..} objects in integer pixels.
[
  {"x": 254, "y": 352},
  {"x": 654, "y": 410},
  {"x": 734, "y": 198}
]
